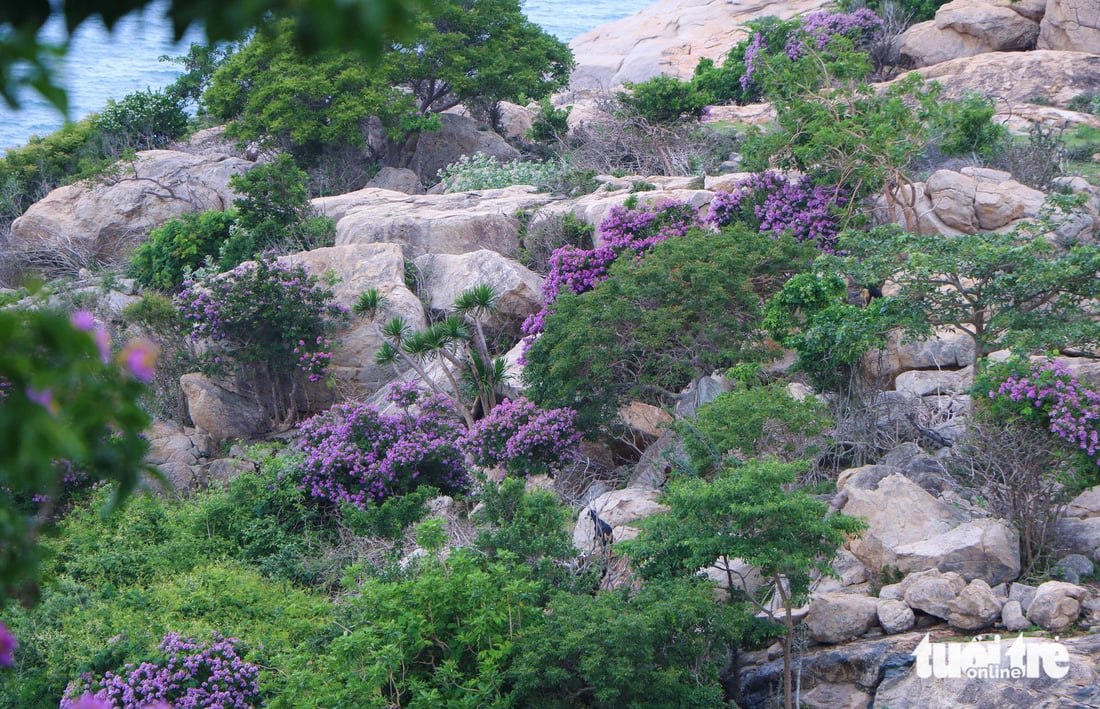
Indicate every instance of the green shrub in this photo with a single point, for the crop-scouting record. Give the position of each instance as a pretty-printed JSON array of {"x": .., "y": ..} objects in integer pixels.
[
  {"x": 754, "y": 421},
  {"x": 142, "y": 120},
  {"x": 484, "y": 172},
  {"x": 688, "y": 306},
  {"x": 179, "y": 245},
  {"x": 1088, "y": 102},
  {"x": 664, "y": 99},
  {"x": 967, "y": 127},
  {"x": 661, "y": 647},
  {"x": 273, "y": 213}
]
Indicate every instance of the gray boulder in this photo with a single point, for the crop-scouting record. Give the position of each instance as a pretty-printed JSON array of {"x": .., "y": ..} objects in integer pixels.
[
  {"x": 839, "y": 617},
  {"x": 1056, "y": 606}
]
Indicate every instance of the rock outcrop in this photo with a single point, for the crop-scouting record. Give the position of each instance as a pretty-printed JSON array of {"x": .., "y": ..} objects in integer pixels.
[
  {"x": 669, "y": 37},
  {"x": 1072, "y": 25},
  {"x": 93, "y": 223},
  {"x": 432, "y": 224}
]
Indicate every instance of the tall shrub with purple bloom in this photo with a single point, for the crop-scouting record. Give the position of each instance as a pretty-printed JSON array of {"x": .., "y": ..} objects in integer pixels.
[
  {"x": 357, "y": 455},
  {"x": 775, "y": 204},
  {"x": 268, "y": 319},
  {"x": 190, "y": 675},
  {"x": 1047, "y": 392},
  {"x": 626, "y": 230},
  {"x": 523, "y": 438}
]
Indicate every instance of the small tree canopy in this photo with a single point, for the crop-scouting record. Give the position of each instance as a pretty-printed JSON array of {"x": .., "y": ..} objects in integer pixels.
[{"x": 361, "y": 26}]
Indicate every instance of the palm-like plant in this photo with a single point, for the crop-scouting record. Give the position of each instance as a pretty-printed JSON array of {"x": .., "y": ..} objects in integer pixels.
[{"x": 446, "y": 340}]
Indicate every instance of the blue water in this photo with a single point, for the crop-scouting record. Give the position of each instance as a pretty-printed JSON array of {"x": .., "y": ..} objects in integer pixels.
[{"x": 102, "y": 65}]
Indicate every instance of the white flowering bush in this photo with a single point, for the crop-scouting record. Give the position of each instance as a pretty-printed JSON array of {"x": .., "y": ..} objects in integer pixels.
[{"x": 484, "y": 172}]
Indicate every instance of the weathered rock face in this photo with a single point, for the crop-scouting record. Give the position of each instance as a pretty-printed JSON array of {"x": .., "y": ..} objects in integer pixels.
[
  {"x": 432, "y": 224},
  {"x": 179, "y": 453},
  {"x": 1071, "y": 25},
  {"x": 839, "y": 617},
  {"x": 669, "y": 37},
  {"x": 932, "y": 592},
  {"x": 89, "y": 224},
  {"x": 221, "y": 412},
  {"x": 458, "y": 136},
  {"x": 898, "y": 512},
  {"x": 397, "y": 179},
  {"x": 618, "y": 508},
  {"x": 979, "y": 199},
  {"x": 963, "y": 28},
  {"x": 358, "y": 268},
  {"x": 1077, "y": 688},
  {"x": 1056, "y": 605},
  {"x": 1078, "y": 531},
  {"x": 975, "y": 607},
  {"x": 895, "y": 616},
  {"x": 985, "y": 549},
  {"x": 1017, "y": 77},
  {"x": 445, "y": 276}
]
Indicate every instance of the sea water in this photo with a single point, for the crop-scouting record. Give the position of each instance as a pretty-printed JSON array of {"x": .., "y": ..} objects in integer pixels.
[{"x": 102, "y": 65}]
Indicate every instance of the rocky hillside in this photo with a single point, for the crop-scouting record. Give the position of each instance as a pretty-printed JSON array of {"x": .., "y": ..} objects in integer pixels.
[{"x": 939, "y": 559}]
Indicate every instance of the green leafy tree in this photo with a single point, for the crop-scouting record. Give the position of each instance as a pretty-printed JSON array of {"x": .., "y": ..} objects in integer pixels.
[
  {"x": 689, "y": 306},
  {"x": 1002, "y": 290},
  {"x": 746, "y": 513},
  {"x": 477, "y": 52},
  {"x": 180, "y": 244},
  {"x": 661, "y": 647},
  {"x": 362, "y": 26},
  {"x": 812, "y": 316},
  {"x": 753, "y": 421},
  {"x": 66, "y": 405},
  {"x": 664, "y": 99},
  {"x": 443, "y": 637}
]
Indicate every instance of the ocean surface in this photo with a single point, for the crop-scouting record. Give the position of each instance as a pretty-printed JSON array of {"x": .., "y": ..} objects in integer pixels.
[{"x": 102, "y": 65}]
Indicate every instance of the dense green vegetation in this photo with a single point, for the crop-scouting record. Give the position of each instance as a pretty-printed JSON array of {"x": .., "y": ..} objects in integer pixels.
[{"x": 331, "y": 567}]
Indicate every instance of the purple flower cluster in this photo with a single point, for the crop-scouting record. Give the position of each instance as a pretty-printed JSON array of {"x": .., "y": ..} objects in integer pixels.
[
  {"x": 263, "y": 312},
  {"x": 770, "y": 202},
  {"x": 1072, "y": 409},
  {"x": 8, "y": 644},
  {"x": 819, "y": 28},
  {"x": 757, "y": 44},
  {"x": 190, "y": 676},
  {"x": 357, "y": 455},
  {"x": 623, "y": 231},
  {"x": 523, "y": 438}
]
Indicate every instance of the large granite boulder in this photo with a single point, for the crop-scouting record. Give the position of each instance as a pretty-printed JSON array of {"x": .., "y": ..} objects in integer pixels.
[
  {"x": 357, "y": 268},
  {"x": 432, "y": 224},
  {"x": 1017, "y": 77},
  {"x": 839, "y": 617},
  {"x": 220, "y": 411},
  {"x": 985, "y": 549},
  {"x": 92, "y": 223},
  {"x": 964, "y": 28},
  {"x": 897, "y": 511},
  {"x": 1071, "y": 25},
  {"x": 1057, "y": 605},
  {"x": 445, "y": 276},
  {"x": 457, "y": 136},
  {"x": 669, "y": 37}
]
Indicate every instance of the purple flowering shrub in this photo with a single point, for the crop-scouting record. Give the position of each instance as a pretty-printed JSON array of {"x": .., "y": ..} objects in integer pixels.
[
  {"x": 189, "y": 676},
  {"x": 8, "y": 646},
  {"x": 270, "y": 320},
  {"x": 523, "y": 438},
  {"x": 772, "y": 203},
  {"x": 738, "y": 79},
  {"x": 624, "y": 231},
  {"x": 1046, "y": 392},
  {"x": 356, "y": 455}
]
